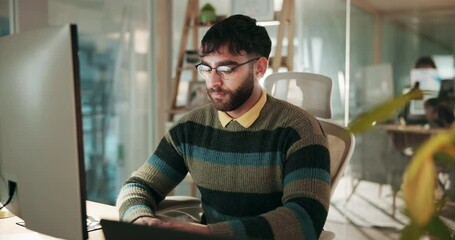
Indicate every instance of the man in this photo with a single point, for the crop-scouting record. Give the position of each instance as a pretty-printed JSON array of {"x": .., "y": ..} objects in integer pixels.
[{"x": 261, "y": 164}]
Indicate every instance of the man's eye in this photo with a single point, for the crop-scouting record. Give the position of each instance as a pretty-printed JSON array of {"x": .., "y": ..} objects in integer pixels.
[
  {"x": 224, "y": 69},
  {"x": 203, "y": 68}
]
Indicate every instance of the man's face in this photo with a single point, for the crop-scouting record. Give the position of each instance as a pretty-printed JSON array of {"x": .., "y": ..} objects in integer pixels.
[
  {"x": 229, "y": 92},
  {"x": 225, "y": 99}
]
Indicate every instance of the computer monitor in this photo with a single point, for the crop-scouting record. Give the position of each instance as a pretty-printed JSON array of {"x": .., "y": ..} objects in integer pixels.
[
  {"x": 427, "y": 80},
  {"x": 447, "y": 90},
  {"x": 41, "y": 146}
]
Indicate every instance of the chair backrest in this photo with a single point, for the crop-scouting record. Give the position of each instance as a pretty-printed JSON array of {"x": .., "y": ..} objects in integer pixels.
[
  {"x": 309, "y": 91},
  {"x": 341, "y": 146}
]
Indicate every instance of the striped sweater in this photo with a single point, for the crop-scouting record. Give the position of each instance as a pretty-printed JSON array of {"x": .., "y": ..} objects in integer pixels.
[{"x": 268, "y": 181}]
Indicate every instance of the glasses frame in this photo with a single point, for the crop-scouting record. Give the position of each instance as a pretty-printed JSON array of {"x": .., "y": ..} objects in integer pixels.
[{"x": 228, "y": 69}]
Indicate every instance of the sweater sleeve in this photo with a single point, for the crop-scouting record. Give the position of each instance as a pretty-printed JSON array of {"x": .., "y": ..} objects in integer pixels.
[
  {"x": 305, "y": 201},
  {"x": 149, "y": 185}
]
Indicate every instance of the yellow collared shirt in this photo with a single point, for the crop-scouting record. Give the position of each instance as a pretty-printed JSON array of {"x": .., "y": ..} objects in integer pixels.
[{"x": 247, "y": 119}]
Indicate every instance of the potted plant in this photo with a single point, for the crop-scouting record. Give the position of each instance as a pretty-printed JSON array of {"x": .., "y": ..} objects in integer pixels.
[
  {"x": 419, "y": 179},
  {"x": 207, "y": 15}
]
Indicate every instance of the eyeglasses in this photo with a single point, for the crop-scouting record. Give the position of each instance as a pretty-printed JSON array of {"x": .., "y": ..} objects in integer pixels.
[{"x": 223, "y": 71}]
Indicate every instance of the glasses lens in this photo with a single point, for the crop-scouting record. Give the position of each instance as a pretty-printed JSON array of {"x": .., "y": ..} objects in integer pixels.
[
  {"x": 204, "y": 70},
  {"x": 224, "y": 71}
]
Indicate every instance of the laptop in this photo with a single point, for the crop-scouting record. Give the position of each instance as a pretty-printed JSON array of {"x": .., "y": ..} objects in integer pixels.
[{"x": 115, "y": 230}]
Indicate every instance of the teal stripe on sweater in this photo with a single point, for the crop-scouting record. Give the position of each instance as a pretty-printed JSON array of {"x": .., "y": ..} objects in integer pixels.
[
  {"x": 134, "y": 185},
  {"x": 238, "y": 229},
  {"x": 233, "y": 158},
  {"x": 135, "y": 208},
  {"x": 304, "y": 220},
  {"x": 308, "y": 173},
  {"x": 164, "y": 168},
  {"x": 215, "y": 215}
]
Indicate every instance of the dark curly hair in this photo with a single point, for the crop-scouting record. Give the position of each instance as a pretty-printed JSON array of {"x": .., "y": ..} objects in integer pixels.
[{"x": 240, "y": 33}]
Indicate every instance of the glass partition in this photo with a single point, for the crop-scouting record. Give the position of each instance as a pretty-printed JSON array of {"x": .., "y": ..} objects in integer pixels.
[
  {"x": 4, "y": 17},
  {"x": 402, "y": 47},
  {"x": 321, "y": 39},
  {"x": 114, "y": 53}
]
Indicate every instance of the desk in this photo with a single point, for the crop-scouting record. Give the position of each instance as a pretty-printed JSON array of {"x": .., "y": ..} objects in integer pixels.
[
  {"x": 410, "y": 135},
  {"x": 97, "y": 210}
]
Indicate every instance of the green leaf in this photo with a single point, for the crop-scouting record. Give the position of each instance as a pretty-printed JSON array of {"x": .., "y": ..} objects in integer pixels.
[
  {"x": 411, "y": 232},
  {"x": 382, "y": 112},
  {"x": 445, "y": 159},
  {"x": 438, "y": 229}
]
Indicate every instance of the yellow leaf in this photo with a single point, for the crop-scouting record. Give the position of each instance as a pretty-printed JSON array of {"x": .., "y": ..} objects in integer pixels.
[
  {"x": 419, "y": 193},
  {"x": 419, "y": 180},
  {"x": 449, "y": 149}
]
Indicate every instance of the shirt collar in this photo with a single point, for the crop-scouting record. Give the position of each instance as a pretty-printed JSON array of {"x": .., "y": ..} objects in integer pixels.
[{"x": 247, "y": 119}]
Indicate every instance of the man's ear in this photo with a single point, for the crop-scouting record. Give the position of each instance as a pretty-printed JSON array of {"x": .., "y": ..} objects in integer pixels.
[{"x": 261, "y": 66}]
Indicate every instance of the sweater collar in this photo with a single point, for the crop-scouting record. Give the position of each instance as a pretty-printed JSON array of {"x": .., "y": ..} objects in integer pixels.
[{"x": 247, "y": 119}]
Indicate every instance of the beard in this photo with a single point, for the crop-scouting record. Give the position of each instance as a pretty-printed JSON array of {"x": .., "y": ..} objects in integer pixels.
[{"x": 234, "y": 98}]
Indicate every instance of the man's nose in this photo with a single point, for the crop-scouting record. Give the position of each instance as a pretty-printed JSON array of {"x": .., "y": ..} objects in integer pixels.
[{"x": 214, "y": 79}]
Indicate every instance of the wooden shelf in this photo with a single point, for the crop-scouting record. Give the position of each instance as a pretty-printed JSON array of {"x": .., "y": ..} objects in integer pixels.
[{"x": 283, "y": 63}]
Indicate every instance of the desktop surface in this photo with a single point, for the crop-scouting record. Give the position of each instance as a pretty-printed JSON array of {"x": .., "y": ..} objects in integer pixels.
[
  {"x": 112, "y": 228},
  {"x": 9, "y": 229}
]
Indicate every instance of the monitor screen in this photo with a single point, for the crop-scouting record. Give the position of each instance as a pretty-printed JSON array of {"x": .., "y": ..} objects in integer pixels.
[
  {"x": 41, "y": 147},
  {"x": 428, "y": 78},
  {"x": 429, "y": 81}
]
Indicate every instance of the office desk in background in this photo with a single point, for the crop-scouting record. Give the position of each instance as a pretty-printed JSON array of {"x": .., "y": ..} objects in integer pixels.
[
  {"x": 97, "y": 210},
  {"x": 413, "y": 136},
  {"x": 410, "y": 135}
]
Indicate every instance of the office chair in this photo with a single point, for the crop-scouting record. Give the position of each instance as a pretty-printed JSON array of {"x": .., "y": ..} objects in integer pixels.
[
  {"x": 341, "y": 146},
  {"x": 309, "y": 91},
  {"x": 341, "y": 143},
  {"x": 313, "y": 92},
  {"x": 315, "y": 97},
  {"x": 385, "y": 167}
]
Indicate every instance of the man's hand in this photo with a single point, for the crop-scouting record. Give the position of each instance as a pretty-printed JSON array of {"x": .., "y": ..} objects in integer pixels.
[
  {"x": 173, "y": 224},
  {"x": 149, "y": 221}
]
